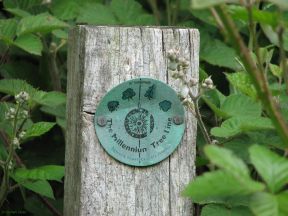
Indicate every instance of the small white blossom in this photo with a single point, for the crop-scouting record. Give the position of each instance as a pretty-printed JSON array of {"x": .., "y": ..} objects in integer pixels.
[
  {"x": 22, "y": 97},
  {"x": 12, "y": 110},
  {"x": 204, "y": 85},
  {"x": 10, "y": 114},
  {"x": 16, "y": 143},
  {"x": 24, "y": 114},
  {"x": 22, "y": 134},
  {"x": 10, "y": 165}
]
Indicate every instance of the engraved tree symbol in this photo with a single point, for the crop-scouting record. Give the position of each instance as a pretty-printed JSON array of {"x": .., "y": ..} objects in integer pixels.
[
  {"x": 113, "y": 105},
  {"x": 165, "y": 105},
  {"x": 128, "y": 94},
  {"x": 150, "y": 92}
]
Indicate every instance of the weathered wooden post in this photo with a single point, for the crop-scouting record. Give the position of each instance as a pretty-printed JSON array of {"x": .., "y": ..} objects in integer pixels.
[{"x": 101, "y": 57}]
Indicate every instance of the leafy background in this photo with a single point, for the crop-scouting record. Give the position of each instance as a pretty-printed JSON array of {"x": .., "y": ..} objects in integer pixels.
[{"x": 245, "y": 173}]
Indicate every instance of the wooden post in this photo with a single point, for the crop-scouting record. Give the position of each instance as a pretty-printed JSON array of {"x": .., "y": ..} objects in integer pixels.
[{"x": 100, "y": 57}]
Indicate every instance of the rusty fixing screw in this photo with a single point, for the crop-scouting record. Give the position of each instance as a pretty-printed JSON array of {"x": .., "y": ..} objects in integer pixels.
[
  {"x": 101, "y": 121},
  {"x": 178, "y": 120}
]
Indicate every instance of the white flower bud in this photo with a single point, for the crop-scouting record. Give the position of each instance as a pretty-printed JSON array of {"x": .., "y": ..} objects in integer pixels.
[
  {"x": 210, "y": 86},
  {"x": 204, "y": 85},
  {"x": 193, "y": 82},
  {"x": 184, "y": 91},
  {"x": 171, "y": 54},
  {"x": 12, "y": 110},
  {"x": 22, "y": 134},
  {"x": 16, "y": 143},
  {"x": 172, "y": 66},
  {"x": 10, "y": 165},
  {"x": 24, "y": 114},
  {"x": 208, "y": 81},
  {"x": 22, "y": 97},
  {"x": 175, "y": 75}
]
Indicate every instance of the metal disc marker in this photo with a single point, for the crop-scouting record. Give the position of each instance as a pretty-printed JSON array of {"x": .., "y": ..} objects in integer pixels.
[{"x": 140, "y": 122}]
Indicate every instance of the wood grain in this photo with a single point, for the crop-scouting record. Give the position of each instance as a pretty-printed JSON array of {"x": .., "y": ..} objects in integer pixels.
[{"x": 99, "y": 58}]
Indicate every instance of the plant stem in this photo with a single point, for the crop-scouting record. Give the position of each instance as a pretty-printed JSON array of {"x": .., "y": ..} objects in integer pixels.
[
  {"x": 5, "y": 181},
  {"x": 168, "y": 11},
  {"x": 154, "y": 7},
  {"x": 19, "y": 162},
  {"x": 175, "y": 12},
  {"x": 256, "y": 74},
  {"x": 199, "y": 118}
]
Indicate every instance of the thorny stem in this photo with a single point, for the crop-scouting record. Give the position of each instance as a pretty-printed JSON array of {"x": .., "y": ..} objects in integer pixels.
[
  {"x": 199, "y": 117},
  {"x": 218, "y": 22},
  {"x": 19, "y": 162},
  {"x": 5, "y": 181},
  {"x": 256, "y": 74}
]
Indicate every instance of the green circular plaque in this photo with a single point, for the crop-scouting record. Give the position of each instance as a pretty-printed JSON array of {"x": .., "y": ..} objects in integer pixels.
[{"x": 140, "y": 122}]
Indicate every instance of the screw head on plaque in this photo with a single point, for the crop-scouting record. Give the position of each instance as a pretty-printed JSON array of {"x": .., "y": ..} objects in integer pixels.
[{"x": 140, "y": 122}]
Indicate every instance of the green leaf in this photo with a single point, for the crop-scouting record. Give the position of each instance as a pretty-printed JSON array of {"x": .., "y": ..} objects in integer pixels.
[
  {"x": 130, "y": 12},
  {"x": 226, "y": 160},
  {"x": 264, "y": 204},
  {"x": 41, "y": 187},
  {"x": 221, "y": 210},
  {"x": 282, "y": 200},
  {"x": 96, "y": 14},
  {"x": 58, "y": 111},
  {"x": 272, "y": 35},
  {"x": 237, "y": 125},
  {"x": 240, "y": 146},
  {"x": 61, "y": 122},
  {"x": 14, "y": 86},
  {"x": 8, "y": 30},
  {"x": 42, "y": 23},
  {"x": 59, "y": 33},
  {"x": 260, "y": 16},
  {"x": 38, "y": 129},
  {"x": 214, "y": 99},
  {"x": 276, "y": 70},
  {"x": 51, "y": 99},
  {"x": 49, "y": 172},
  {"x": 65, "y": 9},
  {"x": 216, "y": 52},
  {"x": 272, "y": 167},
  {"x": 240, "y": 105},
  {"x": 219, "y": 184},
  {"x": 243, "y": 83},
  {"x": 18, "y": 12},
  {"x": 269, "y": 138},
  {"x": 30, "y": 43},
  {"x": 201, "y": 4},
  {"x": 22, "y": 4}
]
